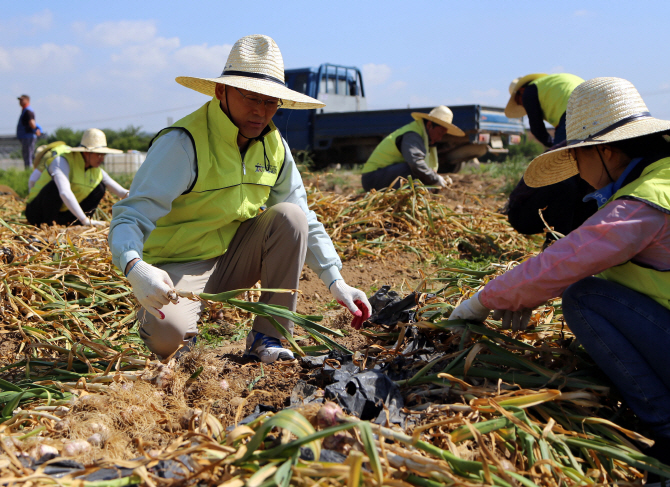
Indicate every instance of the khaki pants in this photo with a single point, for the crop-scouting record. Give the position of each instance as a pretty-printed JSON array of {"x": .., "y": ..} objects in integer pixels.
[{"x": 270, "y": 247}]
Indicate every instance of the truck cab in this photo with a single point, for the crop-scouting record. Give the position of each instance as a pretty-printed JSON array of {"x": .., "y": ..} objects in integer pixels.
[{"x": 339, "y": 87}]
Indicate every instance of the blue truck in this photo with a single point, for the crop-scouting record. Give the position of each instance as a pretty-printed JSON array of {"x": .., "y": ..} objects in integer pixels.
[{"x": 345, "y": 132}]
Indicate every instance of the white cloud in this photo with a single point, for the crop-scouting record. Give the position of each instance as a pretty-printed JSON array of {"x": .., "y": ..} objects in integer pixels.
[
  {"x": 120, "y": 33},
  {"x": 487, "y": 94},
  {"x": 557, "y": 69},
  {"x": 397, "y": 86},
  {"x": 31, "y": 59},
  {"x": 61, "y": 103},
  {"x": 421, "y": 101},
  {"x": 5, "y": 63},
  {"x": 42, "y": 20},
  {"x": 581, "y": 13},
  {"x": 144, "y": 59},
  {"x": 376, "y": 74},
  {"x": 203, "y": 59}
]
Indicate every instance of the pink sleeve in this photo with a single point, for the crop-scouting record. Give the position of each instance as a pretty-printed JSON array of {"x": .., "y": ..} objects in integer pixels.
[{"x": 612, "y": 236}]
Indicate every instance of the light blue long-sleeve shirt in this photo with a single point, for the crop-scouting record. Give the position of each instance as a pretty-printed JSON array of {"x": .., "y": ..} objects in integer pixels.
[{"x": 169, "y": 170}]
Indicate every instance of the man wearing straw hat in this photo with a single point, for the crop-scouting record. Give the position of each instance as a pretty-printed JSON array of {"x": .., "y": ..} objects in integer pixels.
[
  {"x": 545, "y": 97},
  {"x": 194, "y": 218},
  {"x": 613, "y": 272},
  {"x": 410, "y": 151},
  {"x": 70, "y": 188}
]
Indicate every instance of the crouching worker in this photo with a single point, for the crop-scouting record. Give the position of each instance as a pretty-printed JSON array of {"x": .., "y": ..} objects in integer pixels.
[
  {"x": 193, "y": 220},
  {"x": 410, "y": 151},
  {"x": 72, "y": 184},
  {"x": 545, "y": 97},
  {"x": 612, "y": 271}
]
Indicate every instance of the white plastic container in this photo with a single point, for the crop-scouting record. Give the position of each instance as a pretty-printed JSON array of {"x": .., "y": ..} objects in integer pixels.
[{"x": 126, "y": 163}]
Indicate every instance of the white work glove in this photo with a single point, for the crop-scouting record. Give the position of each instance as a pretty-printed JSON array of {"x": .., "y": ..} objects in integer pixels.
[
  {"x": 151, "y": 287},
  {"x": 470, "y": 309},
  {"x": 354, "y": 300},
  {"x": 442, "y": 182},
  {"x": 518, "y": 319}
]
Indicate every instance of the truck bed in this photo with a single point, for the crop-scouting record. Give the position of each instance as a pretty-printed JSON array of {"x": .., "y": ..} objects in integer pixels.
[{"x": 471, "y": 119}]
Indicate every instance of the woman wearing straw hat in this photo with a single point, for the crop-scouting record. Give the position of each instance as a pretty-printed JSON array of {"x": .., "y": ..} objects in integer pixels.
[
  {"x": 545, "y": 97},
  {"x": 410, "y": 151},
  {"x": 70, "y": 188},
  {"x": 612, "y": 270},
  {"x": 194, "y": 218}
]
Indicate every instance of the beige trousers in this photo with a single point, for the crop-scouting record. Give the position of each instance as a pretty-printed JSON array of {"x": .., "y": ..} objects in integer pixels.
[{"x": 270, "y": 247}]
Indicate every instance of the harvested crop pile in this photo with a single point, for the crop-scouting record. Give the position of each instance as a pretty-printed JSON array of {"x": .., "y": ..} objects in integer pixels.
[
  {"x": 411, "y": 219},
  {"x": 471, "y": 403}
]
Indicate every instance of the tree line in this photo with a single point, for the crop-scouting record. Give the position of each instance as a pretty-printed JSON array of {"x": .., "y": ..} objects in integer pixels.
[{"x": 130, "y": 138}]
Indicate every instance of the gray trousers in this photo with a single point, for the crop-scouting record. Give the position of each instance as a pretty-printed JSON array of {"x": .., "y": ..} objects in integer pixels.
[
  {"x": 270, "y": 247},
  {"x": 28, "y": 150}
]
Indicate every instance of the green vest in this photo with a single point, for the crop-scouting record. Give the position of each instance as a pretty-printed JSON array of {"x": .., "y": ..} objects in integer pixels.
[
  {"x": 653, "y": 188},
  {"x": 553, "y": 92},
  {"x": 227, "y": 191},
  {"x": 387, "y": 152},
  {"x": 82, "y": 180}
]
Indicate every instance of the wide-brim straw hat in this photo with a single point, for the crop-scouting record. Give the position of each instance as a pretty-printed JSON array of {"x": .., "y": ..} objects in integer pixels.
[
  {"x": 255, "y": 64},
  {"x": 442, "y": 116},
  {"x": 94, "y": 140},
  {"x": 513, "y": 109},
  {"x": 600, "y": 110}
]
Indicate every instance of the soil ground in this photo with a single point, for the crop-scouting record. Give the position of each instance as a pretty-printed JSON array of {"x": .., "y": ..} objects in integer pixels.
[
  {"x": 399, "y": 270},
  {"x": 231, "y": 385}
]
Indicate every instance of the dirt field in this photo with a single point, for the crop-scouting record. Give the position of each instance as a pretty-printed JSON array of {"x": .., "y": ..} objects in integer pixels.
[{"x": 73, "y": 366}]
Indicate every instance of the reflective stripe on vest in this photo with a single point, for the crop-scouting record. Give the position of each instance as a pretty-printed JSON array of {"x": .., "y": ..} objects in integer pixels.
[
  {"x": 204, "y": 220},
  {"x": 387, "y": 152},
  {"x": 553, "y": 92},
  {"x": 653, "y": 188},
  {"x": 82, "y": 181}
]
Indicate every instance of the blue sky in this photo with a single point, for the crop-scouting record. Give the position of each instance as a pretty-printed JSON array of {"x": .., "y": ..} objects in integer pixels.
[{"x": 112, "y": 64}]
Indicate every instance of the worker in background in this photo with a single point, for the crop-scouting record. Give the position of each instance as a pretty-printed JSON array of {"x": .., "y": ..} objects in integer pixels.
[
  {"x": 545, "y": 97},
  {"x": 410, "y": 151},
  {"x": 43, "y": 153},
  {"x": 72, "y": 185},
  {"x": 27, "y": 130},
  {"x": 193, "y": 220},
  {"x": 613, "y": 271}
]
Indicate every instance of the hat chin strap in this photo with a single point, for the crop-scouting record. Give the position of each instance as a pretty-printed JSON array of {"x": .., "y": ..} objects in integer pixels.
[
  {"x": 603, "y": 163},
  {"x": 260, "y": 138}
]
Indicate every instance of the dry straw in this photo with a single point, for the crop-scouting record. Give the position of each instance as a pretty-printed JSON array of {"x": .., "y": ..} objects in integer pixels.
[{"x": 491, "y": 407}]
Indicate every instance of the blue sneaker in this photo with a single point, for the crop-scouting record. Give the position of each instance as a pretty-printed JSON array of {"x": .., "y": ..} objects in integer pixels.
[{"x": 265, "y": 348}]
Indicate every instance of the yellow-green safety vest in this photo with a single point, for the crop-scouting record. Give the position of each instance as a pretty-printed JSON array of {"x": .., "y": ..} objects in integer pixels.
[
  {"x": 387, "y": 152},
  {"x": 82, "y": 181},
  {"x": 227, "y": 191},
  {"x": 554, "y": 92},
  {"x": 653, "y": 188}
]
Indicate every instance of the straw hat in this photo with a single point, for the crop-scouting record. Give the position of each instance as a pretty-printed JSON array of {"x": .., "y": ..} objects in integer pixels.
[
  {"x": 255, "y": 64},
  {"x": 600, "y": 110},
  {"x": 513, "y": 109},
  {"x": 94, "y": 140},
  {"x": 442, "y": 116}
]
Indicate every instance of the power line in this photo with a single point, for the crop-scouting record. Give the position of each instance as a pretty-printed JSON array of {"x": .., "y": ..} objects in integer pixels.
[{"x": 157, "y": 112}]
